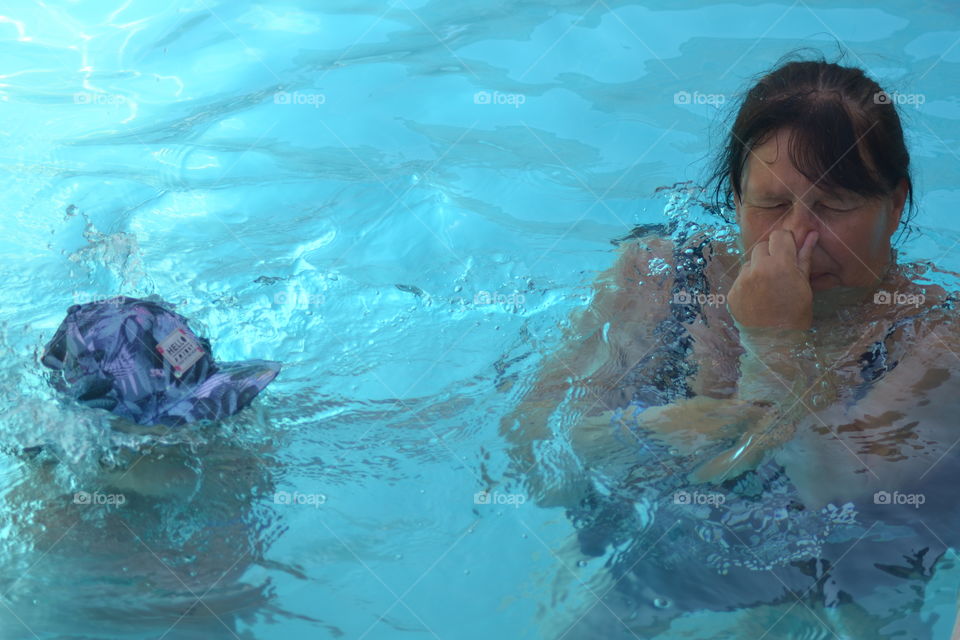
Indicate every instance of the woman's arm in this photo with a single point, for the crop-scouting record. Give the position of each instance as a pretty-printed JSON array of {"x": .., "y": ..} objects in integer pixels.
[
  {"x": 772, "y": 296},
  {"x": 779, "y": 374},
  {"x": 613, "y": 328},
  {"x": 781, "y": 382}
]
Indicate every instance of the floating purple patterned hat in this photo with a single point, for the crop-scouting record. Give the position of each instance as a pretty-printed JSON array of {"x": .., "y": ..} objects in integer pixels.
[{"x": 141, "y": 361}]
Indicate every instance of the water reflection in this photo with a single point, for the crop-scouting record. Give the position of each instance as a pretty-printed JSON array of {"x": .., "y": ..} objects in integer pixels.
[{"x": 167, "y": 538}]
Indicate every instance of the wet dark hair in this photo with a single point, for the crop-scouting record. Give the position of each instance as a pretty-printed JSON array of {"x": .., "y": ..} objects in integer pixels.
[{"x": 846, "y": 132}]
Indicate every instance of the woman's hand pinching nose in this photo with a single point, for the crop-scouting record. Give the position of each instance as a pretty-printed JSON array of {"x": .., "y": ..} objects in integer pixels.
[{"x": 773, "y": 286}]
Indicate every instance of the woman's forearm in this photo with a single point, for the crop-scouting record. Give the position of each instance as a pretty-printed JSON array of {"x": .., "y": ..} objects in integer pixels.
[
  {"x": 778, "y": 368},
  {"x": 778, "y": 371}
]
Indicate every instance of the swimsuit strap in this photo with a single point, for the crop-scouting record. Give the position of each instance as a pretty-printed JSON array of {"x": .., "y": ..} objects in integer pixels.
[{"x": 661, "y": 376}]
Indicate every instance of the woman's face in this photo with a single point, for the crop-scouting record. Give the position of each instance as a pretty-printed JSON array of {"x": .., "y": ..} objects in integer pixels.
[{"x": 853, "y": 248}]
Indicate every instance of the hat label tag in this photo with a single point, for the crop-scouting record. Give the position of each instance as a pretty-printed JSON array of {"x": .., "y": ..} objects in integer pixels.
[{"x": 181, "y": 350}]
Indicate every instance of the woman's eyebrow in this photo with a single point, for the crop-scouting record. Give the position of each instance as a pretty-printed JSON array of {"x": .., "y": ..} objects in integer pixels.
[{"x": 767, "y": 195}]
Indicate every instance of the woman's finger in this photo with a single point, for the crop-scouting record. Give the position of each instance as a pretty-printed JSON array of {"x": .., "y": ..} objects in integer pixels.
[
  {"x": 803, "y": 256},
  {"x": 783, "y": 245},
  {"x": 759, "y": 249}
]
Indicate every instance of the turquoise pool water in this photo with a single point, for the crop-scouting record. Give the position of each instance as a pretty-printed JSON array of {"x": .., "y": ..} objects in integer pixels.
[{"x": 402, "y": 201}]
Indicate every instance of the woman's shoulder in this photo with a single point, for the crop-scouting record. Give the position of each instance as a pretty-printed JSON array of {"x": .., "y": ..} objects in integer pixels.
[
  {"x": 634, "y": 289},
  {"x": 648, "y": 239},
  {"x": 917, "y": 323},
  {"x": 909, "y": 294},
  {"x": 644, "y": 259},
  {"x": 656, "y": 267},
  {"x": 654, "y": 243}
]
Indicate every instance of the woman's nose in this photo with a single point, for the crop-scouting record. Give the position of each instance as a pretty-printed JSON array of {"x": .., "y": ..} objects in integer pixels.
[{"x": 799, "y": 220}]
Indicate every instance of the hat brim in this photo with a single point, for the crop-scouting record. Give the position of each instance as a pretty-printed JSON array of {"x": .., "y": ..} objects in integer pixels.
[{"x": 229, "y": 389}]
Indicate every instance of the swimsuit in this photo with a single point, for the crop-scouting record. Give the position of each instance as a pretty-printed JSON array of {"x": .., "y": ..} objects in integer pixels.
[{"x": 761, "y": 542}]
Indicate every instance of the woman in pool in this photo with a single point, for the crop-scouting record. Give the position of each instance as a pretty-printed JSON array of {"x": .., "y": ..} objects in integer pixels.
[{"x": 827, "y": 365}]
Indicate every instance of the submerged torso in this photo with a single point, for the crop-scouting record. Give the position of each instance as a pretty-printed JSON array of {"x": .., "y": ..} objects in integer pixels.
[{"x": 809, "y": 499}]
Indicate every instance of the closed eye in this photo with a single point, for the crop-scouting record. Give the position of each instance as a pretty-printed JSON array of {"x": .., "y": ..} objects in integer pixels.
[{"x": 823, "y": 206}]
